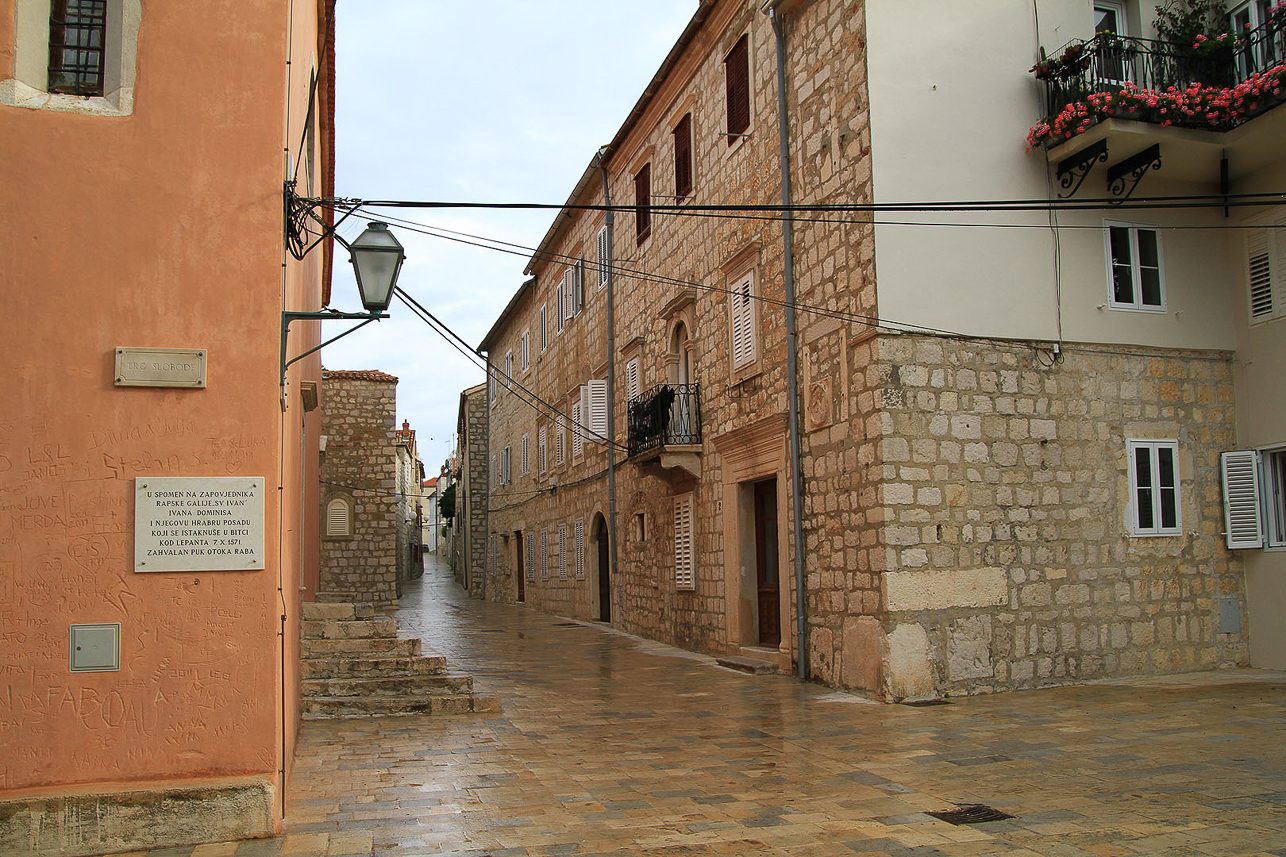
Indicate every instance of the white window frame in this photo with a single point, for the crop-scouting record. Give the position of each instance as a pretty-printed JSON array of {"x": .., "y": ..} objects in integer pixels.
[
  {"x": 1254, "y": 491},
  {"x": 742, "y": 322},
  {"x": 579, "y": 539},
  {"x": 684, "y": 543},
  {"x": 1157, "y": 490},
  {"x": 526, "y": 453},
  {"x": 526, "y": 350},
  {"x": 1135, "y": 268}
]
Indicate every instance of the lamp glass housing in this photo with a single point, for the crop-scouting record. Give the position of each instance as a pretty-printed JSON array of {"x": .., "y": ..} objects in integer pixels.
[{"x": 377, "y": 258}]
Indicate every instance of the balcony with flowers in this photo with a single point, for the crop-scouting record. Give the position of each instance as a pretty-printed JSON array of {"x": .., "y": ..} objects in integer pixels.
[{"x": 1195, "y": 90}]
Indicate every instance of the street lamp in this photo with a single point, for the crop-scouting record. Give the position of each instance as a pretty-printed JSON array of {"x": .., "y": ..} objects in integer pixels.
[{"x": 377, "y": 258}]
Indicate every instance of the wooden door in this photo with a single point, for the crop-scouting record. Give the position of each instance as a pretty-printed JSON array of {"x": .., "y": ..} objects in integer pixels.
[{"x": 769, "y": 583}]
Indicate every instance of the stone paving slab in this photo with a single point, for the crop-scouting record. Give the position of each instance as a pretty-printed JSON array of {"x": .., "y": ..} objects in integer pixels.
[{"x": 613, "y": 745}]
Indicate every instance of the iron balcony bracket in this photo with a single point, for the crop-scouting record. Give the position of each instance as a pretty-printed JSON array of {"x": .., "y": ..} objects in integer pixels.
[
  {"x": 1073, "y": 170},
  {"x": 1131, "y": 171}
]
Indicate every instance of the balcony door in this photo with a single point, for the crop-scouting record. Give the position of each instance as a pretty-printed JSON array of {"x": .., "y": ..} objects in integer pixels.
[
  {"x": 1259, "y": 49},
  {"x": 1111, "y": 59},
  {"x": 680, "y": 424}
]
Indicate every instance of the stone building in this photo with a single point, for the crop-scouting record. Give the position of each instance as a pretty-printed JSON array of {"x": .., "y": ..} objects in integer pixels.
[
  {"x": 410, "y": 511},
  {"x": 150, "y": 707},
  {"x": 1010, "y": 422},
  {"x": 469, "y": 557},
  {"x": 359, "y": 497}
]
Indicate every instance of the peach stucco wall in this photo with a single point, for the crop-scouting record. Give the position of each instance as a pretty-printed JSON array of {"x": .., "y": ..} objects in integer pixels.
[{"x": 162, "y": 228}]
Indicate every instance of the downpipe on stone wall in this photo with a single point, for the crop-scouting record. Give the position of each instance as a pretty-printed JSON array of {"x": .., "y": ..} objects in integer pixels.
[
  {"x": 792, "y": 343},
  {"x": 611, "y": 376}
]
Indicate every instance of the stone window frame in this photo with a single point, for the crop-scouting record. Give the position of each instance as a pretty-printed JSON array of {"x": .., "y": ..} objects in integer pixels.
[
  {"x": 29, "y": 85},
  {"x": 346, "y": 501},
  {"x": 1157, "y": 491},
  {"x": 1132, "y": 233}
]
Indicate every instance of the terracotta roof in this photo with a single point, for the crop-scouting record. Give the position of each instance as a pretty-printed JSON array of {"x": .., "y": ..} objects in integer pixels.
[
  {"x": 431, "y": 483},
  {"x": 358, "y": 375}
]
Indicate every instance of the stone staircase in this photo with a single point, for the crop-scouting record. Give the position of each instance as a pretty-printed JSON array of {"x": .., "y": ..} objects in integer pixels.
[{"x": 354, "y": 664}]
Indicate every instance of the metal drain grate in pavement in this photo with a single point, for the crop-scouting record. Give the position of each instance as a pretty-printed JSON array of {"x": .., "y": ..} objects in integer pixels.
[
  {"x": 974, "y": 813},
  {"x": 923, "y": 703}
]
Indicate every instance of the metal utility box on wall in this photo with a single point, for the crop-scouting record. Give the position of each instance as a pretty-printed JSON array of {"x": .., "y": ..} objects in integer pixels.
[{"x": 95, "y": 648}]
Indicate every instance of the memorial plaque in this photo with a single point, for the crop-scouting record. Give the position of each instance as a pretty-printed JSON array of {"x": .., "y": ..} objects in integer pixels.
[
  {"x": 198, "y": 523},
  {"x": 160, "y": 367}
]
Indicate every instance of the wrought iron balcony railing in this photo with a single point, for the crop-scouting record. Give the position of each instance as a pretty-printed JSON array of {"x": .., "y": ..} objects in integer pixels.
[
  {"x": 666, "y": 415},
  {"x": 1109, "y": 63}
]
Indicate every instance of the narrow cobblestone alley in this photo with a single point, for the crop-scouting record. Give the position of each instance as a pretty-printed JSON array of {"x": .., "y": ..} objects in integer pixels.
[{"x": 609, "y": 744}]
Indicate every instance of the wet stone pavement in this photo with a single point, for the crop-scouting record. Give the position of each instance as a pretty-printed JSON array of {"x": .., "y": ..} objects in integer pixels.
[{"x": 609, "y": 744}]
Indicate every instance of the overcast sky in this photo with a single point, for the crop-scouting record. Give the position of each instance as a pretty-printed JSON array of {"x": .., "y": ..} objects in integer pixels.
[{"x": 495, "y": 101}]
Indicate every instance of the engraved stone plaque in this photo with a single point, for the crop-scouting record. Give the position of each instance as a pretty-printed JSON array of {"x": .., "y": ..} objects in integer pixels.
[
  {"x": 160, "y": 367},
  {"x": 197, "y": 523}
]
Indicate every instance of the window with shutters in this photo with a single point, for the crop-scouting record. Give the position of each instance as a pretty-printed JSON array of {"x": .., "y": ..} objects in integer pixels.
[
  {"x": 1135, "y": 273},
  {"x": 506, "y": 460},
  {"x": 1254, "y": 489},
  {"x": 544, "y": 327},
  {"x": 604, "y": 255},
  {"x": 491, "y": 384},
  {"x": 526, "y": 453},
  {"x": 580, "y": 548},
  {"x": 1154, "y": 508},
  {"x": 494, "y": 473},
  {"x": 531, "y": 557},
  {"x": 633, "y": 384},
  {"x": 683, "y": 158},
  {"x": 1266, "y": 270},
  {"x": 542, "y": 448},
  {"x": 745, "y": 337},
  {"x": 526, "y": 350},
  {"x": 594, "y": 398},
  {"x": 560, "y": 441},
  {"x": 339, "y": 518},
  {"x": 544, "y": 554},
  {"x": 736, "y": 76},
  {"x": 560, "y": 316},
  {"x": 578, "y": 439},
  {"x": 643, "y": 203},
  {"x": 684, "y": 561},
  {"x": 578, "y": 287},
  {"x": 562, "y": 551},
  {"x": 509, "y": 369}
]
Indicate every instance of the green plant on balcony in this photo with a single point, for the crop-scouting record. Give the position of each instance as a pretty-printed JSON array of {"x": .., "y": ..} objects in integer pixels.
[{"x": 1074, "y": 60}]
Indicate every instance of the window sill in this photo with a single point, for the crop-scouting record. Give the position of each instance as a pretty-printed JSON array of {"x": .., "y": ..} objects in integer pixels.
[
  {"x": 1156, "y": 310},
  {"x": 15, "y": 93}
]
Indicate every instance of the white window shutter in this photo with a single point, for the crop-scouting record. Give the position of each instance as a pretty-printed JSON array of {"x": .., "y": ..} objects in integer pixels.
[
  {"x": 604, "y": 257},
  {"x": 560, "y": 440},
  {"x": 578, "y": 416},
  {"x": 632, "y": 379},
  {"x": 544, "y": 327},
  {"x": 1259, "y": 272},
  {"x": 596, "y": 409},
  {"x": 561, "y": 316},
  {"x": 743, "y": 328},
  {"x": 683, "y": 553},
  {"x": 580, "y": 549},
  {"x": 526, "y": 453},
  {"x": 544, "y": 554},
  {"x": 526, "y": 350},
  {"x": 542, "y": 449},
  {"x": 562, "y": 551},
  {"x": 578, "y": 286},
  {"x": 531, "y": 557},
  {"x": 338, "y": 518},
  {"x": 1242, "y": 526}
]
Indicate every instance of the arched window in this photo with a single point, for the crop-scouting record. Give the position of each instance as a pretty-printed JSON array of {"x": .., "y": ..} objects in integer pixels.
[{"x": 339, "y": 518}]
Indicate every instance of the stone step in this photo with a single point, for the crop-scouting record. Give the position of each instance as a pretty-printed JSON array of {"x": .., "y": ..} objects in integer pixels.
[
  {"x": 347, "y": 629},
  {"x": 754, "y": 666},
  {"x": 318, "y": 611},
  {"x": 403, "y": 647},
  {"x": 358, "y": 667},
  {"x": 407, "y": 685},
  {"x": 324, "y": 708}
]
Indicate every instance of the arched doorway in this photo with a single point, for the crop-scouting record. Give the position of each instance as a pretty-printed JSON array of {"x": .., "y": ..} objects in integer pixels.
[{"x": 604, "y": 569}]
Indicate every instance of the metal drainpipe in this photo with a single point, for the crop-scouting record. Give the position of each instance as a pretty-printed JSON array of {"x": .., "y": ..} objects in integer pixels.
[
  {"x": 486, "y": 464},
  {"x": 611, "y": 377},
  {"x": 792, "y": 345}
]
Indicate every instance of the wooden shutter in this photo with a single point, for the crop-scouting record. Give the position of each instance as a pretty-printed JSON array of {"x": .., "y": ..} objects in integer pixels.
[
  {"x": 1242, "y": 526},
  {"x": 632, "y": 379},
  {"x": 596, "y": 407},
  {"x": 580, "y": 549},
  {"x": 578, "y": 286},
  {"x": 604, "y": 256},
  {"x": 736, "y": 73},
  {"x": 531, "y": 556},
  {"x": 642, "y": 203},
  {"x": 544, "y": 327},
  {"x": 683, "y": 548},
  {"x": 526, "y": 453},
  {"x": 578, "y": 417},
  {"x": 544, "y": 554},
  {"x": 683, "y": 157},
  {"x": 338, "y": 518},
  {"x": 526, "y": 350},
  {"x": 560, "y": 441},
  {"x": 542, "y": 449},
  {"x": 743, "y": 323},
  {"x": 562, "y": 551},
  {"x": 1259, "y": 272}
]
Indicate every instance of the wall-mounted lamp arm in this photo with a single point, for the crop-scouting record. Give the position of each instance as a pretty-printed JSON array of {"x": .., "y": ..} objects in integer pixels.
[{"x": 324, "y": 315}]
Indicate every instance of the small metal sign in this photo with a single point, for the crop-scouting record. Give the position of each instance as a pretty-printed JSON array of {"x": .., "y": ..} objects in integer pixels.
[
  {"x": 160, "y": 367},
  {"x": 196, "y": 523}
]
